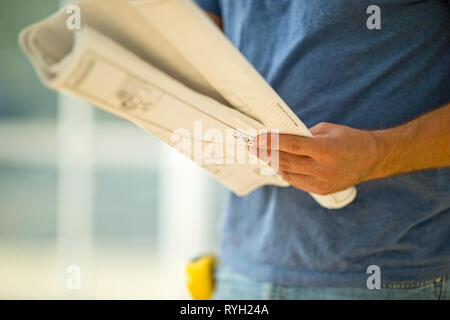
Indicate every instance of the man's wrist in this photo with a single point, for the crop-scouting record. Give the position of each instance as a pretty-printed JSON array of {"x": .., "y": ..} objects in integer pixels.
[{"x": 387, "y": 154}]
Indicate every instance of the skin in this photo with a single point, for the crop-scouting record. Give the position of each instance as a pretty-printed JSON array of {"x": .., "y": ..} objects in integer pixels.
[
  {"x": 338, "y": 157},
  {"x": 216, "y": 19}
]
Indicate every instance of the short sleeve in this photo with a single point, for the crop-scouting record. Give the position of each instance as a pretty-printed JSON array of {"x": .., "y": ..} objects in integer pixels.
[{"x": 211, "y": 6}]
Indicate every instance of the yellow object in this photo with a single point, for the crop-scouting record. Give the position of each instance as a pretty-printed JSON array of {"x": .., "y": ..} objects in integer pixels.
[{"x": 200, "y": 277}]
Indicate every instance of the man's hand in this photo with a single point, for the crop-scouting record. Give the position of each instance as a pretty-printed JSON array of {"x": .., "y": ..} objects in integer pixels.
[
  {"x": 337, "y": 157},
  {"x": 215, "y": 18}
]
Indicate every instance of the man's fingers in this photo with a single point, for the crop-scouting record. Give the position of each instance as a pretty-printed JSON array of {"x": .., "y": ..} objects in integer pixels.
[
  {"x": 287, "y": 143},
  {"x": 293, "y": 163},
  {"x": 299, "y": 181},
  {"x": 305, "y": 182}
]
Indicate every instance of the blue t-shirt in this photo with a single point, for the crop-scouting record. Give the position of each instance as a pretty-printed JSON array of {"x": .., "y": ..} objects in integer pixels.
[{"x": 327, "y": 65}]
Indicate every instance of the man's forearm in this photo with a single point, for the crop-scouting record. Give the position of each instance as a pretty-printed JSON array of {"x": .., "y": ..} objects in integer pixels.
[{"x": 422, "y": 143}]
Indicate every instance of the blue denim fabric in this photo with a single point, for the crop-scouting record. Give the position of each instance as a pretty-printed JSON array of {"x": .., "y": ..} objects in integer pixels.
[{"x": 231, "y": 285}]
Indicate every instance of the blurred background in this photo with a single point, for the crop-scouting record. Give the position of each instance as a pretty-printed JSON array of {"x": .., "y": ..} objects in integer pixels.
[{"x": 79, "y": 187}]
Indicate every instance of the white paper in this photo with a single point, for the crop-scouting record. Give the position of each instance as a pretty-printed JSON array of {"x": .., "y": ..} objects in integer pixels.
[{"x": 164, "y": 65}]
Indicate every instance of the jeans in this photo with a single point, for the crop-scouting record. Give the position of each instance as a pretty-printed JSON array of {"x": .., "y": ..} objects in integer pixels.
[{"x": 230, "y": 285}]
